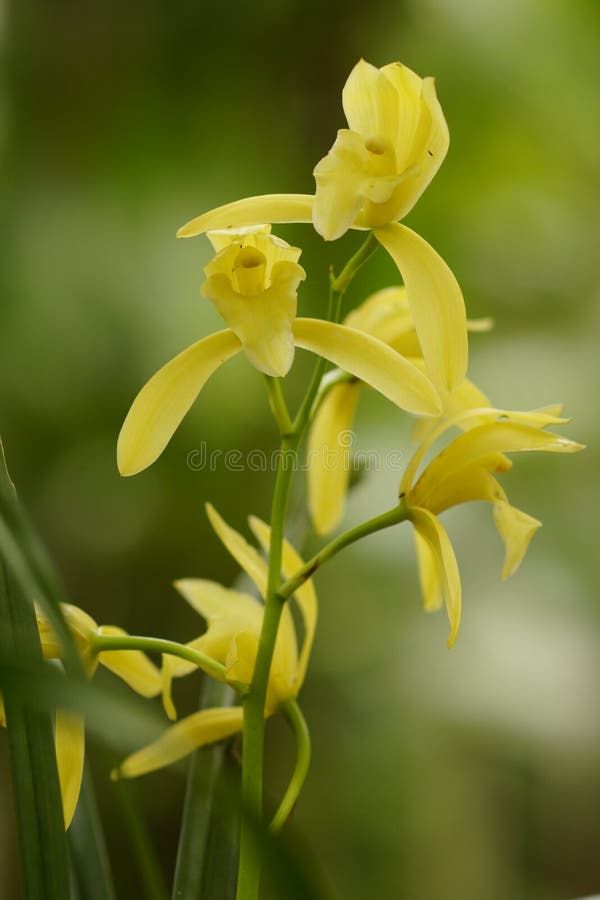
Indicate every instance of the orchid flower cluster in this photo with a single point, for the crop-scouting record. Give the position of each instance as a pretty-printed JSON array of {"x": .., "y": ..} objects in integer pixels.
[{"x": 409, "y": 342}]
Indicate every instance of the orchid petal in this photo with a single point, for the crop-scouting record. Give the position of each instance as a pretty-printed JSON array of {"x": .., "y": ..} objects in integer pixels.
[
  {"x": 497, "y": 437},
  {"x": 385, "y": 315},
  {"x": 436, "y": 304},
  {"x": 465, "y": 485},
  {"x": 165, "y": 399},
  {"x": 516, "y": 529},
  {"x": 328, "y": 457},
  {"x": 371, "y": 361},
  {"x": 201, "y": 728},
  {"x": 434, "y": 534},
  {"x": 263, "y": 323},
  {"x": 244, "y": 553},
  {"x": 221, "y": 238},
  {"x": 241, "y": 660},
  {"x": 132, "y": 666},
  {"x": 273, "y": 208},
  {"x": 467, "y": 396},
  {"x": 257, "y": 568},
  {"x": 421, "y": 157},
  {"x": 220, "y": 605},
  {"x": 537, "y": 418},
  {"x": 370, "y": 102},
  {"x": 429, "y": 574},
  {"x": 80, "y": 624},
  {"x": 70, "y": 755},
  {"x": 226, "y": 612}
]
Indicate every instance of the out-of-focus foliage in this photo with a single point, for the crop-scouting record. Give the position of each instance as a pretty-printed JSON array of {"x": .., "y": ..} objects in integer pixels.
[{"x": 471, "y": 773}]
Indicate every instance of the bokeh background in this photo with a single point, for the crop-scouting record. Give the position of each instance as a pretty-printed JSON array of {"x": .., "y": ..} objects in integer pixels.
[{"x": 473, "y": 773}]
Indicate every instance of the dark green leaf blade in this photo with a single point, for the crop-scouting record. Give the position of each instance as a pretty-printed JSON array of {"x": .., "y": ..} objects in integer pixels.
[
  {"x": 33, "y": 761},
  {"x": 89, "y": 856},
  {"x": 197, "y": 873}
]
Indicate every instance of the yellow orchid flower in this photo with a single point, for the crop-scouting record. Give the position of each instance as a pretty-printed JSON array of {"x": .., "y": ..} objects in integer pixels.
[
  {"x": 433, "y": 293},
  {"x": 387, "y": 316},
  {"x": 131, "y": 666},
  {"x": 379, "y": 167},
  {"x": 234, "y": 622},
  {"x": 375, "y": 171},
  {"x": 464, "y": 471},
  {"x": 252, "y": 280}
]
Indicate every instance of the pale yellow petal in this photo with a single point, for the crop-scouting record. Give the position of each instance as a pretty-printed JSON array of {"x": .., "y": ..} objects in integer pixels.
[
  {"x": 221, "y": 238},
  {"x": 263, "y": 323},
  {"x": 205, "y": 727},
  {"x": 2, "y": 713},
  {"x": 422, "y": 159},
  {"x": 132, "y": 666},
  {"x": 257, "y": 568},
  {"x": 516, "y": 529},
  {"x": 80, "y": 624},
  {"x": 345, "y": 177},
  {"x": 371, "y": 361},
  {"x": 305, "y": 596},
  {"x": 465, "y": 485},
  {"x": 385, "y": 315},
  {"x": 216, "y": 603},
  {"x": 253, "y": 281},
  {"x": 226, "y": 612},
  {"x": 70, "y": 755},
  {"x": 429, "y": 574},
  {"x": 273, "y": 208},
  {"x": 240, "y": 668},
  {"x": 537, "y": 418},
  {"x": 433, "y": 533},
  {"x": 466, "y": 396},
  {"x": 370, "y": 102},
  {"x": 436, "y": 304},
  {"x": 497, "y": 437},
  {"x": 328, "y": 457},
  {"x": 167, "y": 672},
  {"x": 244, "y": 553},
  {"x": 165, "y": 399},
  {"x": 214, "y": 643},
  {"x": 408, "y": 88}
]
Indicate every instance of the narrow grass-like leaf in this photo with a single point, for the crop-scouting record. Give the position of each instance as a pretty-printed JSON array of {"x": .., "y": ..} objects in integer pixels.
[
  {"x": 191, "y": 881},
  {"x": 144, "y": 857},
  {"x": 36, "y": 789},
  {"x": 222, "y": 851},
  {"x": 28, "y": 556},
  {"x": 89, "y": 858}
]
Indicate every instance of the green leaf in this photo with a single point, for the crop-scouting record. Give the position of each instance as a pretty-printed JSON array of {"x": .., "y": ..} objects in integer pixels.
[
  {"x": 89, "y": 858},
  {"x": 144, "y": 857},
  {"x": 208, "y": 844},
  {"x": 33, "y": 760},
  {"x": 28, "y": 572}
]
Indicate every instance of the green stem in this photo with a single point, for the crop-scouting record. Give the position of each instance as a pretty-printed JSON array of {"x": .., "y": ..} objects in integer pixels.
[
  {"x": 254, "y": 702},
  {"x": 278, "y": 405},
  {"x": 104, "y": 642},
  {"x": 398, "y": 514},
  {"x": 364, "y": 252},
  {"x": 293, "y": 714},
  {"x": 337, "y": 289}
]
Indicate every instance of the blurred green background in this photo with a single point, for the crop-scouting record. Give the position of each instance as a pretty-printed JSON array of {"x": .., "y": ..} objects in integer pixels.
[{"x": 467, "y": 774}]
